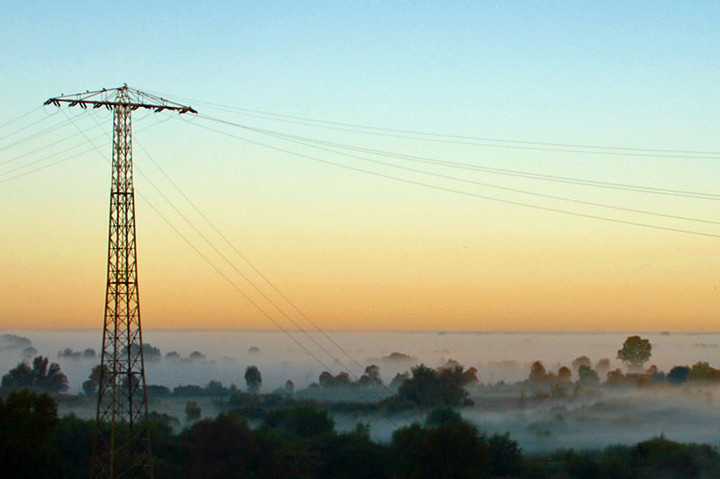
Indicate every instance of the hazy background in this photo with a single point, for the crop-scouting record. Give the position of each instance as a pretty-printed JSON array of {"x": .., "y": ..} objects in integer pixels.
[
  {"x": 281, "y": 358},
  {"x": 590, "y": 420}
]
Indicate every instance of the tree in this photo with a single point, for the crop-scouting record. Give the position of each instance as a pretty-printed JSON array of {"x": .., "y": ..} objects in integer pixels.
[
  {"x": 564, "y": 375},
  {"x": 192, "y": 411},
  {"x": 602, "y": 367},
  {"x": 150, "y": 353},
  {"x": 703, "y": 372},
  {"x": 451, "y": 449},
  {"x": 212, "y": 449},
  {"x": 326, "y": 379},
  {"x": 442, "y": 415},
  {"x": 308, "y": 421},
  {"x": 253, "y": 379},
  {"x": 635, "y": 352},
  {"x": 538, "y": 373},
  {"x": 50, "y": 379},
  {"x": 678, "y": 375},
  {"x": 91, "y": 385},
  {"x": 581, "y": 361},
  {"x": 428, "y": 387},
  {"x": 27, "y": 423},
  {"x": 587, "y": 375},
  {"x": 371, "y": 376}
]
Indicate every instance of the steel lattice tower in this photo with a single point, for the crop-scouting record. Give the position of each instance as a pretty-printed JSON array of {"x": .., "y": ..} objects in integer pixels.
[{"x": 121, "y": 447}]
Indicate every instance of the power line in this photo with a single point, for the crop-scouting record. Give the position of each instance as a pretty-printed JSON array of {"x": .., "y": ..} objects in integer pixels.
[
  {"x": 467, "y": 166},
  {"x": 55, "y": 163},
  {"x": 474, "y": 140},
  {"x": 233, "y": 284},
  {"x": 292, "y": 138},
  {"x": 36, "y": 135},
  {"x": 248, "y": 262},
  {"x": 465, "y": 193},
  {"x": 24, "y": 115}
]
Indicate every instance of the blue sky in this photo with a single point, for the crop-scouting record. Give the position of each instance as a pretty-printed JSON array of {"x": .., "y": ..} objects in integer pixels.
[{"x": 625, "y": 74}]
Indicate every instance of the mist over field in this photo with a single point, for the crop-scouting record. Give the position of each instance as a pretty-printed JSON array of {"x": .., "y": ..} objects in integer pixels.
[{"x": 503, "y": 401}]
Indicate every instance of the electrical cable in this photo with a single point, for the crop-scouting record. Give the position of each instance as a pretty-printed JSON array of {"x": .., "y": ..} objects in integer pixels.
[
  {"x": 36, "y": 135},
  {"x": 291, "y": 138},
  {"x": 35, "y": 170},
  {"x": 465, "y": 193},
  {"x": 467, "y": 166},
  {"x": 476, "y": 140},
  {"x": 18, "y": 118},
  {"x": 235, "y": 286}
]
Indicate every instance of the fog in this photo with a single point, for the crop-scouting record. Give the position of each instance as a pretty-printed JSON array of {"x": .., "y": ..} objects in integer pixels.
[{"x": 595, "y": 417}]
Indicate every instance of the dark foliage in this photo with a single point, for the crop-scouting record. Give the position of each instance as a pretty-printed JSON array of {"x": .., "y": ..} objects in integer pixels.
[
  {"x": 301, "y": 442},
  {"x": 41, "y": 376},
  {"x": 678, "y": 375},
  {"x": 253, "y": 379},
  {"x": 429, "y": 387},
  {"x": 27, "y": 423}
]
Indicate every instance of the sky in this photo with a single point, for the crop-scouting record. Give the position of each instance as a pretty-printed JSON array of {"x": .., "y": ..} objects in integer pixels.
[{"x": 356, "y": 244}]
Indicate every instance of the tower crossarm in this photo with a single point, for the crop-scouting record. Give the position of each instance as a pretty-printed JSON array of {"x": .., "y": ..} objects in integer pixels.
[{"x": 119, "y": 97}]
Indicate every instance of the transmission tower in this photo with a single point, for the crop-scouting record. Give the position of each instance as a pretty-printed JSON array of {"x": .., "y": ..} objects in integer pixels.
[{"x": 121, "y": 446}]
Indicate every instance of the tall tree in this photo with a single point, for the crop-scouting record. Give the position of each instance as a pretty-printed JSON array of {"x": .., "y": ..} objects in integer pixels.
[
  {"x": 253, "y": 379},
  {"x": 635, "y": 352}
]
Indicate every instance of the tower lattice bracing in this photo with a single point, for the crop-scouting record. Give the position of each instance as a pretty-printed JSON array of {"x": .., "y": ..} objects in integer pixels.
[{"x": 121, "y": 447}]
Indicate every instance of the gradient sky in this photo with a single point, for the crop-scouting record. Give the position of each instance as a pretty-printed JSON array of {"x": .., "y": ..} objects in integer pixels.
[{"x": 356, "y": 251}]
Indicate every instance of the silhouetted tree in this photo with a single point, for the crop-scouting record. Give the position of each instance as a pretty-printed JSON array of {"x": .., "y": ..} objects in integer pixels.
[
  {"x": 91, "y": 385},
  {"x": 328, "y": 380},
  {"x": 371, "y": 376},
  {"x": 537, "y": 373},
  {"x": 703, "y": 372},
  {"x": 678, "y": 375},
  {"x": 307, "y": 421},
  {"x": 428, "y": 387},
  {"x": 219, "y": 448},
  {"x": 505, "y": 456},
  {"x": 50, "y": 379},
  {"x": 27, "y": 422},
  {"x": 635, "y": 352},
  {"x": 564, "y": 375},
  {"x": 581, "y": 361},
  {"x": 73, "y": 442},
  {"x": 587, "y": 375},
  {"x": 442, "y": 415},
  {"x": 253, "y": 379},
  {"x": 399, "y": 379},
  {"x": 150, "y": 353},
  {"x": 196, "y": 356},
  {"x": 453, "y": 449},
  {"x": 172, "y": 355},
  {"x": 192, "y": 411}
]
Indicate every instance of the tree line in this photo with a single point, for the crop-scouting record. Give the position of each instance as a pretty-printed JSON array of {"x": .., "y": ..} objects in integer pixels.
[{"x": 302, "y": 442}]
